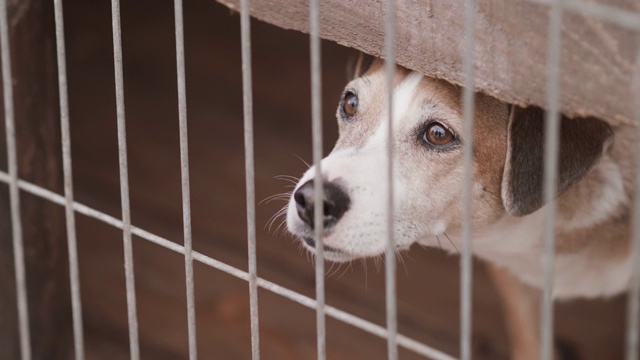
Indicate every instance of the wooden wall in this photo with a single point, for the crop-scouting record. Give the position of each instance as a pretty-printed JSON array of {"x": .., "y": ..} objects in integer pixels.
[{"x": 510, "y": 53}]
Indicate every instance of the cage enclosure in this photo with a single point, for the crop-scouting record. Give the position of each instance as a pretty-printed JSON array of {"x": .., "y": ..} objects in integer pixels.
[{"x": 510, "y": 64}]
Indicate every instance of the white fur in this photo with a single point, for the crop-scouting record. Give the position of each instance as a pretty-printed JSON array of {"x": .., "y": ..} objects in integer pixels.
[
  {"x": 402, "y": 98},
  {"x": 517, "y": 245},
  {"x": 599, "y": 202},
  {"x": 366, "y": 220}
]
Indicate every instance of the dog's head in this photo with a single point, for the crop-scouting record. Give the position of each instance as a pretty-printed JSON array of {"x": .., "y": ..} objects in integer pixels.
[{"x": 427, "y": 164}]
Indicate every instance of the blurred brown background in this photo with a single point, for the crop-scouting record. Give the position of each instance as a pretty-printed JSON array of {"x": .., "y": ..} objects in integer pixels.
[{"x": 428, "y": 280}]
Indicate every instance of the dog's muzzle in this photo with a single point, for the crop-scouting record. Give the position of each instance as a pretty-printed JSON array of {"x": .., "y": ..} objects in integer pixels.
[{"x": 336, "y": 203}]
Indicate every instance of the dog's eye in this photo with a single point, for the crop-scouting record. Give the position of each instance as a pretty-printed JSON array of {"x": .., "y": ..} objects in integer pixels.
[
  {"x": 350, "y": 104},
  {"x": 436, "y": 134}
]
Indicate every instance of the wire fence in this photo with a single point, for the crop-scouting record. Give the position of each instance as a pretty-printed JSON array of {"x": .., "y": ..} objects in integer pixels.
[{"x": 390, "y": 332}]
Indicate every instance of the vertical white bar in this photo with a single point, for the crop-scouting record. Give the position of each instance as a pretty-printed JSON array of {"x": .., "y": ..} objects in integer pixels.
[
  {"x": 633, "y": 305},
  {"x": 132, "y": 313},
  {"x": 466, "y": 264},
  {"x": 552, "y": 135},
  {"x": 14, "y": 194},
  {"x": 76, "y": 304},
  {"x": 316, "y": 120},
  {"x": 390, "y": 255},
  {"x": 247, "y": 95},
  {"x": 184, "y": 171}
]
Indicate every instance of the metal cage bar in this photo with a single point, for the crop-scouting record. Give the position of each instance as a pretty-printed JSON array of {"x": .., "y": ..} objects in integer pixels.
[
  {"x": 552, "y": 126},
  {"x": 466, "y": 263},
  {"x": 132, "y": 312},
  {"x": 76, "y": 303},
  {"x": 316, "y": 120},
  {"x": 12, "y": 181},
  {"x": 633, "y": 302},
  {"x": 184, "y": 178},
  {"x": 552, "y": 135},
  {"x": 390, "y": 254},
  {"x": 247, "y": 99}
]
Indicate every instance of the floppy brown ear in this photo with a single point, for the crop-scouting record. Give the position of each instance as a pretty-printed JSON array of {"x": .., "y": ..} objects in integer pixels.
[
  {"x": 358, "y": 65},
  {"x": 582, "y": 143}
]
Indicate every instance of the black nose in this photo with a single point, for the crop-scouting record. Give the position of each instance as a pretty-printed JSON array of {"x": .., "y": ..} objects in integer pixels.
[{"x": 336, "y": 203}]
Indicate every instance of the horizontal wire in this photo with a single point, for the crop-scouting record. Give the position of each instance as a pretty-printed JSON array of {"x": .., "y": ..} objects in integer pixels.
[{"x": 404, "y": 341}]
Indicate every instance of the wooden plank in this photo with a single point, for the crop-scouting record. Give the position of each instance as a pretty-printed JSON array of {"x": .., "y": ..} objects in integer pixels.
[
  {"x": 37, "y": 137},
  {"x": 510, "y": 53}
]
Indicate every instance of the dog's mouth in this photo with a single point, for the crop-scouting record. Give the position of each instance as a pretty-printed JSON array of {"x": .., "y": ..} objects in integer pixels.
[
  {"x": 312, "y": 244},
  {"x": 330, "y": 253}
]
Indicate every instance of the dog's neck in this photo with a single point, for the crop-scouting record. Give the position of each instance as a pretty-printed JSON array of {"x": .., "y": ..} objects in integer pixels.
[{"x": 592, "y": 241}]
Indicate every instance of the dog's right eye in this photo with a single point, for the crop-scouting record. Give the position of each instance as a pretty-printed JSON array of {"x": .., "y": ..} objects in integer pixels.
[
  {"x": 437, "y": 134},
  {"x": 350, "y": 104}
]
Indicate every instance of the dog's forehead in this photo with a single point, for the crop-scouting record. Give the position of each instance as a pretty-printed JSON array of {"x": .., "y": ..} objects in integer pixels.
[{"x": 416, "y": 98}]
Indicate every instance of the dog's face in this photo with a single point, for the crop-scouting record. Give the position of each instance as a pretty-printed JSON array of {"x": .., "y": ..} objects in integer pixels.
[{"x": 428, "y": 130}]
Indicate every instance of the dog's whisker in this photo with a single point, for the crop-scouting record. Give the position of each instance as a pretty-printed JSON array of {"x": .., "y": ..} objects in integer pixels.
[
  {"x": 286, "y": 176},
  {"x": 337, "y": 270},
  {"x": 268, "y": 199},
  {"x": 274, "y": 198},
  {"x": 274, "y": 217},
  {"x": 284, "y": 198},
  {"x": 347, "y": 268},
  {"x": 328, "y": 272},
  {"x": 403, "y": 264},
  {"x": 301, "y": 159},
  {"x": 454, "y": 245},
  {"x": 439, "y": 244},
  {"x": 377, "y": 261},
  {"x": 271, "y": 220},
  {"x": 279, "y": 214},
  {"x": 284, "y": 220},
  {"x": 282, "y": 227},
  {"x": 291, "y": 180},
  {"x": 307, "y": 253},
  {"x": 332, "y": 271},
  {"x": 366, "y": 275},
  {"x": 408, "y": 255}
]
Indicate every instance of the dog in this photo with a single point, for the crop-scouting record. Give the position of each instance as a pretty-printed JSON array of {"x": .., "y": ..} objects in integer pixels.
[{"x": 594, "y": 190}]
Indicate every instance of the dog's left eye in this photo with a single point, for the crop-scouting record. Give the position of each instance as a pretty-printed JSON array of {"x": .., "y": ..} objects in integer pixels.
[
  {"x": 350, "y": 104},
  {"x": 438, "y": 135}
]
